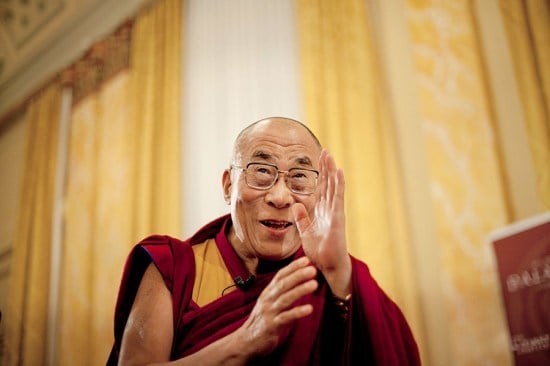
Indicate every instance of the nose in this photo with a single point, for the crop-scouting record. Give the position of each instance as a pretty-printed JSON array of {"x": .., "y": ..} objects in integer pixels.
[{"x": 279, "y": 195}]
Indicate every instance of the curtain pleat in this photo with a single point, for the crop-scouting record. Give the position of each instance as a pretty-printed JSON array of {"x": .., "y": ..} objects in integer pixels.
[
  {"x": 27, "y": 313},
  {"x": 345, "y": 105},
  {"x": 123, "y": 180},
  {"x": 155, "y": 62},
  {"x": 528, "y": 27},
  {"x": 98, "y": 215}
]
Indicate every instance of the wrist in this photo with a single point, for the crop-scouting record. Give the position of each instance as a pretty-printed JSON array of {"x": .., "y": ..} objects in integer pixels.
[
  {"x": 237, "y": 349},
  {"x": 342, "y": 306},
  {"x": 339, "y": 279}
]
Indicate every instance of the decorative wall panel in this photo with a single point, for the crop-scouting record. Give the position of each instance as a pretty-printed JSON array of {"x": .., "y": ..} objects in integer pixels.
[{"x": 22, "y": 19}]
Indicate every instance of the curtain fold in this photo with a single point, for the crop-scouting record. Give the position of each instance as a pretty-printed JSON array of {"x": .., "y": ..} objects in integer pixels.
[
  {"x": 123, "y": 179},
  {"x": 98, "y": 213},
  {"x": 155, "y": 62},
  {"x": 345, "y": 105},
  {"x": 27, "y": 313},
  {"x": 468, "y": 192},
  {"x": 528, "y": 27}
]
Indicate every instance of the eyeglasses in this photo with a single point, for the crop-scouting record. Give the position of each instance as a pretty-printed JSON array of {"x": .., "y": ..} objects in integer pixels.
[{"x": 263, "y": 176}]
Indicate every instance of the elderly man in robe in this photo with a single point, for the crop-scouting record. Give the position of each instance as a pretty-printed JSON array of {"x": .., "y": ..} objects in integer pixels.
[{"x": 270, "y": 283}]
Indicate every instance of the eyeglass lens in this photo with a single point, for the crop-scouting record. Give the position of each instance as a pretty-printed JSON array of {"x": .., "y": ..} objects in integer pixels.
[{"x": 263, "y": 176}]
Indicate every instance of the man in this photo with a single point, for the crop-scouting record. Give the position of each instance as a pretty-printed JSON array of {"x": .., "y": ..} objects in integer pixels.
[{"x": 271, "y": 283}]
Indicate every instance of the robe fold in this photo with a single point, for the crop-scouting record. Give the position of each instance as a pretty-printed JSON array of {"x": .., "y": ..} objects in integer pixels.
[{"x": 375, "y": 331}]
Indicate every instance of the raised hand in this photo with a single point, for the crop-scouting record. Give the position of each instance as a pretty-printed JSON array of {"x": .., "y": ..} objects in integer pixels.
[{"x": 324, "y": 235}]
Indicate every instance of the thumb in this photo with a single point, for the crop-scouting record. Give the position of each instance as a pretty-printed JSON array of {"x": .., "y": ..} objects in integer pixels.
[{"x": 301, "y": 218}]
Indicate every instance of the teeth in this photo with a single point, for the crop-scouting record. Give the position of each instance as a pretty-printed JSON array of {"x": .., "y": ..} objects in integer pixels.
[{"x": 276, "y": 224}]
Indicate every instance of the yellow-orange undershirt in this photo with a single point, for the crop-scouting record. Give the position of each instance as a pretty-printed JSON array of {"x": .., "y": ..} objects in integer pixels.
[{"x": 212, "y": 276}]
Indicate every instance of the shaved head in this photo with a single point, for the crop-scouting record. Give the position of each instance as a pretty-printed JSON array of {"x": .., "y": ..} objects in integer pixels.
[{"x": 243, "y": 135}]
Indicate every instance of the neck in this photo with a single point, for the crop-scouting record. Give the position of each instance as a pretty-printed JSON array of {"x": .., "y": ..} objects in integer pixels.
[{"x": 250, "y": 261}]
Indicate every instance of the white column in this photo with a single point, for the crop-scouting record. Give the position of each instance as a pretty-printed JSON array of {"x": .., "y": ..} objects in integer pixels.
[{"x": 57, "y": 225}]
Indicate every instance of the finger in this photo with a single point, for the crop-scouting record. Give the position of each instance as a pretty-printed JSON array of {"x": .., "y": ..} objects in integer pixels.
[
  {"x": 288, "y": 298},
  {"x": 282, "y": 284},
  {"x": 331, "y": 178},
  {"x": 338, "y": 202},
  {"x": 293, "y": 314},
  {"x": 292, "y": 267},
  {"x": 301, "y": 217},
  {"x": 322, "y": 174},
  {"x": 293, "y": 274}
]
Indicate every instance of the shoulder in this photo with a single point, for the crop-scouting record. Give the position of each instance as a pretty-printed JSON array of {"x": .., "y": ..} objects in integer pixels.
[
  {"x": 162, "y": 247},
  {"x": 166, "y": 253}
]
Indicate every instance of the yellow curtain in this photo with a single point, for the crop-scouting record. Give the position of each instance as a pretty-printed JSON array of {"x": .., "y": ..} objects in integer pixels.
[
  {"x": 345, "y": 105},
  {"x": 123, "y": 180},
  {"x": 528, "y": 27},
  {"x": 27, "y": 312},
  {"x": 156, "y": 81},
  {"x": 98, "y": 216},
  {"x": 467, "y": 188}
]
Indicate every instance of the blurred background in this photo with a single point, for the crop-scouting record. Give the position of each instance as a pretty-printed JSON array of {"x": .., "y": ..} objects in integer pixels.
[{"x": 117, "y": 119}]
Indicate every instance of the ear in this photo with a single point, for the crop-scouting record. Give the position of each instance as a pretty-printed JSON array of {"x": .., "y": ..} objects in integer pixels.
[{"x": 226, "y": 183}]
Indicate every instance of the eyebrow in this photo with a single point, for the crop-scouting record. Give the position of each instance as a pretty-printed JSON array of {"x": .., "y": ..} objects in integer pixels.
[
  {"x": 304, "y": 160},
  {"x": 262, "y": 155}
]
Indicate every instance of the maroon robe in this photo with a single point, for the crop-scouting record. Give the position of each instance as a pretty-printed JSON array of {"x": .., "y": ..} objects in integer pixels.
[{"x": 374, "y": 333}]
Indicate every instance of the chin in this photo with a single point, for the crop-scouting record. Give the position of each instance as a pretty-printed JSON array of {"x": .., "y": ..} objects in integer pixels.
[{"x": 280, "y": 254}]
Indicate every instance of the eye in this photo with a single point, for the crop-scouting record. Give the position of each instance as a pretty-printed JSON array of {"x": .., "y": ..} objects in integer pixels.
[
  {"x": 298, "y": 174},
  {"x": 259, "y": 169},
  {"x": 262, "y": 169}
]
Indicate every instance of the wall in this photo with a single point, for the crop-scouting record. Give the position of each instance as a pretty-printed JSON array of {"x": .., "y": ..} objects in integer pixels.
[{"x": 231, "y": 79}]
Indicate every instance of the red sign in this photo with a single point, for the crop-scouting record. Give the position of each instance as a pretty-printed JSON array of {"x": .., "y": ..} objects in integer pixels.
[{"x": 523, "y": 259}]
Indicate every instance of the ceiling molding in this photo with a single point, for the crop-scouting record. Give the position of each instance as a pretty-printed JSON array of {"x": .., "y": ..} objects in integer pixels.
[{"x": 40, "y": 38}]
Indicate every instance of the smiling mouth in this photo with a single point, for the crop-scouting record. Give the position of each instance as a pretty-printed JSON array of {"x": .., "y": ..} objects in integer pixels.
[{"x": 274, "y": 224}]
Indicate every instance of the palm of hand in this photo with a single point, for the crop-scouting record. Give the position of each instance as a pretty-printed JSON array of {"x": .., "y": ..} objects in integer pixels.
[{"x": 323, "y": 238}]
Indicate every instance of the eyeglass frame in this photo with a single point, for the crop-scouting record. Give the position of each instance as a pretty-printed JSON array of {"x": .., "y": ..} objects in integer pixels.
[{"x": 285, "y": 172}]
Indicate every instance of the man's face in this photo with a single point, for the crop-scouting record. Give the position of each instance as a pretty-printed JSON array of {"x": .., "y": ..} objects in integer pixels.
[{"x": 262, "y": 220}]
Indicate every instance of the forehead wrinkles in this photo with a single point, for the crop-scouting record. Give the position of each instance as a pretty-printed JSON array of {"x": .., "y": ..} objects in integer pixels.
[
  {"x": 271, "y": 152},
  {"x": 291, "y": 143}
]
